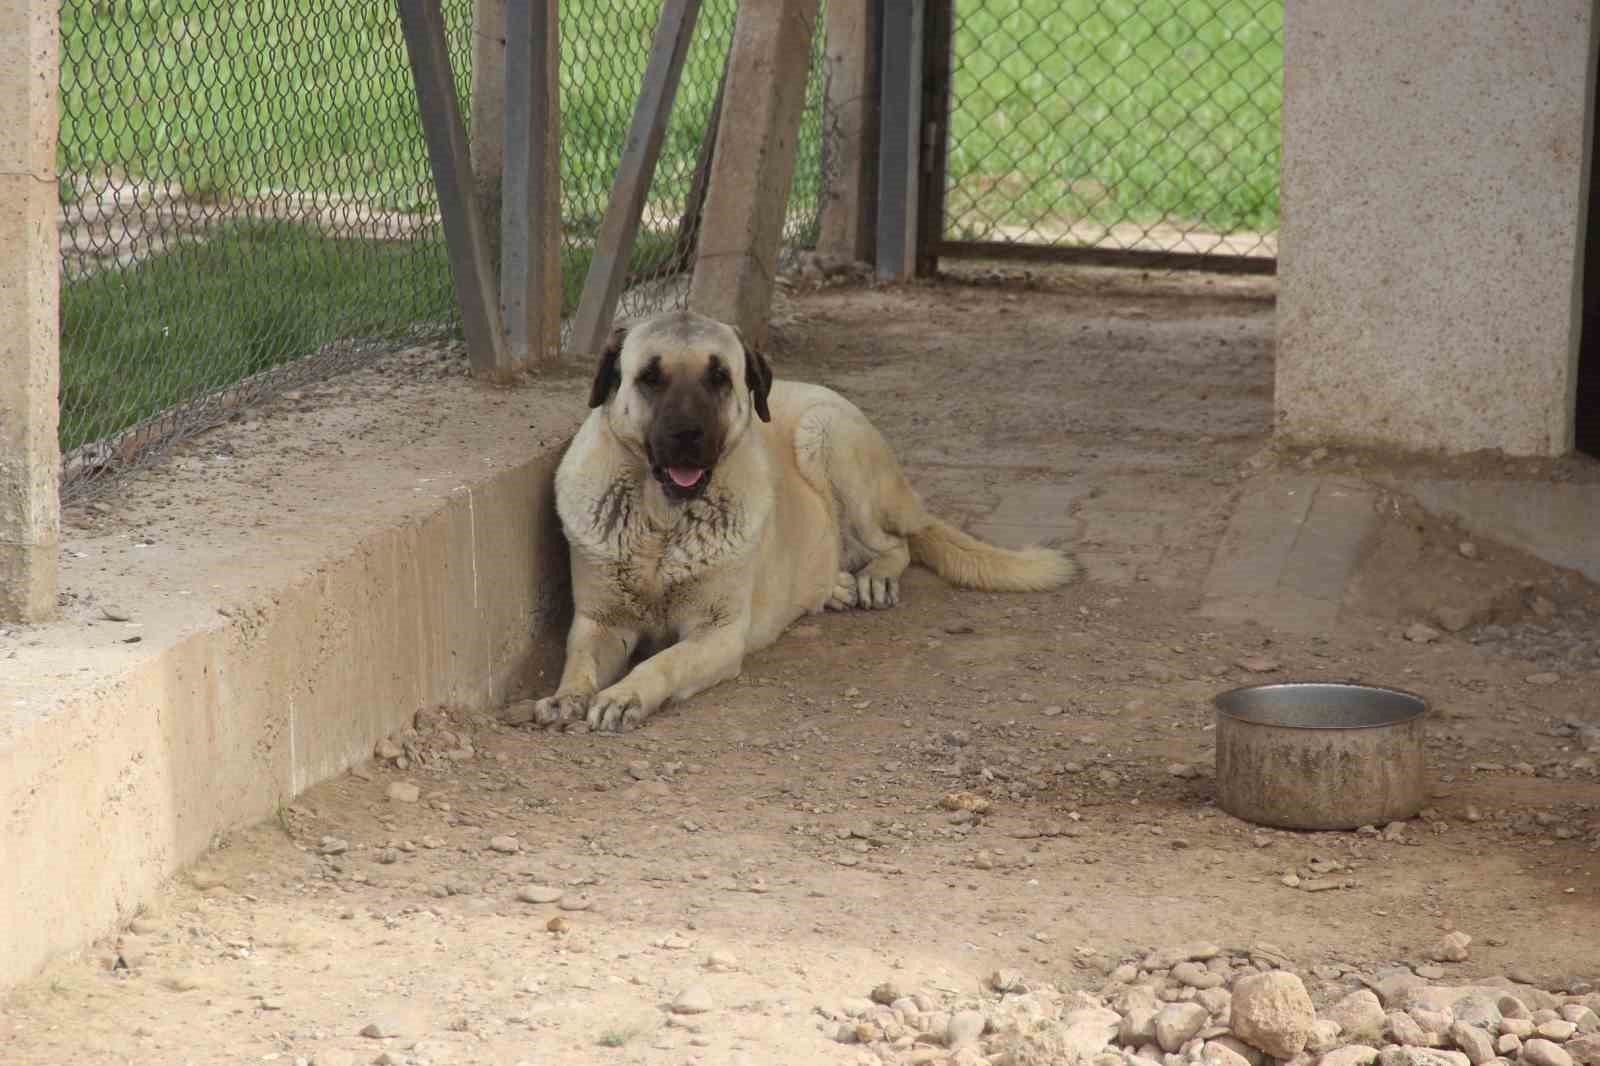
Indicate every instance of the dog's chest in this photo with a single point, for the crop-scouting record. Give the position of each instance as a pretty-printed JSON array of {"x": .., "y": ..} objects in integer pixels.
[{"x": 654, "y": 564}]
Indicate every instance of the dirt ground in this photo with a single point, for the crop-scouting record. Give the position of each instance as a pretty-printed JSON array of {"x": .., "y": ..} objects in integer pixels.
[{"x": 778, "y": 846}]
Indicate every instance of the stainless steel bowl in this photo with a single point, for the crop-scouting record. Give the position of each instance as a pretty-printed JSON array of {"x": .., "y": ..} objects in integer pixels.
[{"x": 1320, "y": 755}]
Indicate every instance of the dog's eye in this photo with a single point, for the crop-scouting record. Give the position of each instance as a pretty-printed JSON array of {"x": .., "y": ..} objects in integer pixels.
[
  {"x": 650, "y": 377},
  {"x": 717, "y": 376}
]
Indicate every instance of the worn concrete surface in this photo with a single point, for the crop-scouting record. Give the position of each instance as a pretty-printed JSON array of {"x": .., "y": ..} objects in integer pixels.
[
  {"x": 754, "y": 163},
  {"x": 29, "y": 295},
  {"x": 1557, "y": 523},
  {"x": 1291, "y": 546},
  {"x": 1468, "y": 125},
  {"x": 258, "y": 614}
]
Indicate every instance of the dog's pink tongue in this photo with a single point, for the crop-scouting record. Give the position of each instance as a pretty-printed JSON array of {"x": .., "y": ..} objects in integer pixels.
[{"x": 685, "y": 477}]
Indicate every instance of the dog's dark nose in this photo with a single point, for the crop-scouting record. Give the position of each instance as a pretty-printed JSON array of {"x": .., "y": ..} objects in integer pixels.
[{"x": 688, "y": 436}]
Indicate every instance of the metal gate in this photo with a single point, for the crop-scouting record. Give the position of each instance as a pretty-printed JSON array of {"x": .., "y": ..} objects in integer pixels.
[{"x": 1131, "y": 132}]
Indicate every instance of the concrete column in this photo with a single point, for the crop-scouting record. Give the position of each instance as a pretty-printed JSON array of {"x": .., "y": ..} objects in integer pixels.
[
  {"x": 30, "y": 265},
  {"x": 486, "y": 132},
  {"x": 754, "y": 163},
  {"x": 850, "y": 132},
  {"x": 1435, "y": 162}
]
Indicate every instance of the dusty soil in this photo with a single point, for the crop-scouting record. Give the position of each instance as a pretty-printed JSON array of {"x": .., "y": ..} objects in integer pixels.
[{"x": 781, "y": 841}]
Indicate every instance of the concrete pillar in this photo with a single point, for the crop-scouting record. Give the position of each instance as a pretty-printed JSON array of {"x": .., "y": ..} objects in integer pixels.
[
  {"x": 30, "y": 265},
  {"x": 850, "y": 133},
  {"x": 486, "y": 132},
  {"x": 754, "y": 163},
  {"x": 1435, "y": 162}
]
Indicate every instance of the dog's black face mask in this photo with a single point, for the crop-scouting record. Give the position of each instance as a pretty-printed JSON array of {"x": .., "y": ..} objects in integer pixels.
[{"x": 685, "y": 435}]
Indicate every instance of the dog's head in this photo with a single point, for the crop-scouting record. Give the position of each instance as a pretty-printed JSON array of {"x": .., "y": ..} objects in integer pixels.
[{"x": 680, "y": 390}]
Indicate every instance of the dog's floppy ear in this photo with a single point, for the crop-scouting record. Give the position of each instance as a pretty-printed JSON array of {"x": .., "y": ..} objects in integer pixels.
[
  {"x": 608, "y": 375},
  {"x": 758, "y": 377}
]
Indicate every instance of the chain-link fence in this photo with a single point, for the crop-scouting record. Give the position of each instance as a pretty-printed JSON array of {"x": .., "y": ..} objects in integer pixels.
[
  {"x": 1134, "y": 125},
  {"x": 246, "y": 200}
]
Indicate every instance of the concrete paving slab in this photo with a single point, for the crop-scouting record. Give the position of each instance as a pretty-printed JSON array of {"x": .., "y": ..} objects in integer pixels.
[{"x": 1288, "y": 552}]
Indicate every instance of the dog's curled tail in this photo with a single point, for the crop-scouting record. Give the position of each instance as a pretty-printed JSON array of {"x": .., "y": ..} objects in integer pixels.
[{"x": 963, "y": 559}]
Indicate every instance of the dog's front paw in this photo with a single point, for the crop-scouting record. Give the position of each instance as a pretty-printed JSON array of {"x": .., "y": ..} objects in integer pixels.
[
  {"x": 843, "y": 596},
  {"x": 877, "y": 593},
  {"x": 559, "y": 709},
  {"x": 617, "y": 710}
]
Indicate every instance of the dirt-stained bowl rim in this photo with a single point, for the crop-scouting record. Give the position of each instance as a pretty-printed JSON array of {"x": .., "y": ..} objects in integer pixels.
[{"x": 1405, "y": 706}]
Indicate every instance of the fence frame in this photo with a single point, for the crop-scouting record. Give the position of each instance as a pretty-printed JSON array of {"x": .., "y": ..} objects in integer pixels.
[{"x": 938, "y": 66}]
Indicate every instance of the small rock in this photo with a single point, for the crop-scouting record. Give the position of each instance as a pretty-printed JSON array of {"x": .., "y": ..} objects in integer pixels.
[
  {"x": 1350, "y": 1055},
  {"x": 1474, "y": 1042},
  {"x": 113, "y": 613},
  {"x": 1324, "y": 1036},
  {"x": 964, "y": 1027},
  {"x": 887, "y": 992},
  {"x": 1541, "y": 679},
  {"x": 1178, "y": 1023},
  {"x": 518, "y": 713},
  {"x": 1585, "y": 1049},
  {"x": 383, "y": 1029},
  {"x": 1452, "y": 619},
  {"x": 1508, "y": 1044},
  {"x": 557, "y": 925},
  {"x": 1221, "y": 1055},
  {"x": 1183, "y": 771},
  {"x": 1512, "y": 1007},
  {"x": 695, "y": 999},
  {"x": 387, "y": 749},
  {"x": 721, "y": 961},
  {"x": 575, "y": 903},
  {"x": 333, "y": 846},
  {"x": 1421, "y": 633},
  {"x": 1138, "y": 1026},
  {"x": 506, "y": 845},
  {"x": 1467, "y": 549},
  {"x": 1451, "y": 948},
  {"x": 404, "y": 792},
  {"x": 1195, "y": 975},
  {"x": 1404, "y": 1029},
  {"x": 1428, "y": 971},
  {"x": 539, "y": 894},
  {"x": 1360, "y": 1017},
  {"x": 1583, "y": 1017},
  {"x": 1521, "y": 1028},
  {"x": 1273, "y": 1011},
  {"x": 1419, "y": 1056},
  {"x": 1560, "y": 1030},
  {"x": 1539, "y": 1052},
  {"x": 1256, "y": 664}
]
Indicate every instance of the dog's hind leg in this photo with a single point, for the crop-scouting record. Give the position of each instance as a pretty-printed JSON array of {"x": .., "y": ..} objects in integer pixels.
[{"x": 842, "y": 453}]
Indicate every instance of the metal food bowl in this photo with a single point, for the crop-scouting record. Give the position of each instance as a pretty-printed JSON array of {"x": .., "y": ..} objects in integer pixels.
[{"x": 1320, "y": 755}]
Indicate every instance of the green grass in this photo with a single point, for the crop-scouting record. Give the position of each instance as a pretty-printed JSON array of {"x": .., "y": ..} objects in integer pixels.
[
  {"x": 207, "y": 314},
  {"x": 1116, "y": 110}
]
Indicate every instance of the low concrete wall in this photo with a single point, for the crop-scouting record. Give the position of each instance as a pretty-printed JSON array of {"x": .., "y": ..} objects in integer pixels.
[
  {"x": 1434, "y": 167},
  {"x": 285, "y": 615}
]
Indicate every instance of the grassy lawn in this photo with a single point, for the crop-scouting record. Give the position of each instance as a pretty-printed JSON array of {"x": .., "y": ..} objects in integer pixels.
[
  {"x": 1115, "y": 110},
  {"x": 1105, "y": 109}
]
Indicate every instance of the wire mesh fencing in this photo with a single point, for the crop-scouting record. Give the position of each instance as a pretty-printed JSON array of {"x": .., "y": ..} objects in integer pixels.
[
  {"x": 1134, "y": 125},
  {"x": 246, "y": 200}
]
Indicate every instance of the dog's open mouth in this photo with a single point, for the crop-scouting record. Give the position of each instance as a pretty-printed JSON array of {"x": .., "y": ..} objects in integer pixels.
[{"x": 683, "y": 482}]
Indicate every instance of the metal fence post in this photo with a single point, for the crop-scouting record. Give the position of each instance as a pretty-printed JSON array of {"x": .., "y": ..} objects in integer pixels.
[
  {"x": 30, "y": 264},
  {"x": 900, "y": 138},
  {"x": 472, "y": 272}
]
